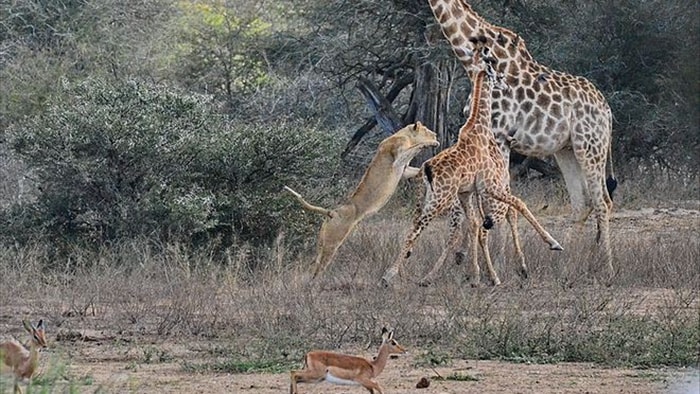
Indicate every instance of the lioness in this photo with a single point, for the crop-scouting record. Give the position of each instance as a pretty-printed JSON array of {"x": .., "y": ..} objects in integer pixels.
[{"x": 388, "y": 166}]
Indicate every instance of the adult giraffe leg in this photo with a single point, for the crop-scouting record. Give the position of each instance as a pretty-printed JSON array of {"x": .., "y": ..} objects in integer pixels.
[
  {"x": 576, "y": 185},
  {"x": 593, "y": 170}
]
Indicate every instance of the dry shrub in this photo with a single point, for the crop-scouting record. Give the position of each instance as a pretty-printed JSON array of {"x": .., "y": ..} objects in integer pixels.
[
  {"x": 645, "y": 186},
  {"x": 20, "y": 268},
  {"x": 15, "y": 186}
]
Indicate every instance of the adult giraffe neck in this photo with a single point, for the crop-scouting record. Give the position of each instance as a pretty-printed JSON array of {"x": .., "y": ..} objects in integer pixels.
[{"x": 459, "y": 22}]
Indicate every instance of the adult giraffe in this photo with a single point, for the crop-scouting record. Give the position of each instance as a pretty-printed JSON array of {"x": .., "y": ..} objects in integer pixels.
[{"x": 545, "y": 112}]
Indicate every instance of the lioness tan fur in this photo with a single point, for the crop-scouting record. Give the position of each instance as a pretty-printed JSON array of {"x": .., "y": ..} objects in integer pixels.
[{"x": 388, "y": 166}]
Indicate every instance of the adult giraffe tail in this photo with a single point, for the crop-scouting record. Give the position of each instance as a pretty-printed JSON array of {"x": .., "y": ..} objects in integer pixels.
[{"x": 610, "y": 181}]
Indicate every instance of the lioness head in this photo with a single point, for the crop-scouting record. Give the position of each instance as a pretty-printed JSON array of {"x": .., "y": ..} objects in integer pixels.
[{"x": 417, "y": 135}]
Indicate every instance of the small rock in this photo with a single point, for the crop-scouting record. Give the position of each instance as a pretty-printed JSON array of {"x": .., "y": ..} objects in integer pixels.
[{"x": 423, "y": 383}]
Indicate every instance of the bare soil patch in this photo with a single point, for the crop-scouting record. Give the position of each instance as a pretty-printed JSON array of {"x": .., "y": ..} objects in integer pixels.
[{"x": 113, "y": 375}]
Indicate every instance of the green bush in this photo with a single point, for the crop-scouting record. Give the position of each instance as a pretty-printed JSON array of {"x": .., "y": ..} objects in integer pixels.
[{"x": 121, "y": 160}]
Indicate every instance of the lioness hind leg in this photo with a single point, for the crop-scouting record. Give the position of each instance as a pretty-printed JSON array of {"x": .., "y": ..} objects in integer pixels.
[{"x": 333, "y": 233}]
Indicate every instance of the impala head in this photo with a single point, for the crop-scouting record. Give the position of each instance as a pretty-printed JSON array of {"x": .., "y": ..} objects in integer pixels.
[
  {"x": 37, "y": 332},
  {"x": 388, "y": 339}
]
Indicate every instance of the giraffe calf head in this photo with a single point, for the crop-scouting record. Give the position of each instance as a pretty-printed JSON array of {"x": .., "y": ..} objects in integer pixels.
[{"x": 484, "y": 59}]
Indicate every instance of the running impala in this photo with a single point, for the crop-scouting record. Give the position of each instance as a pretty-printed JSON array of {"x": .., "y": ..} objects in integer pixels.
[{"x": 345, "y": 369}]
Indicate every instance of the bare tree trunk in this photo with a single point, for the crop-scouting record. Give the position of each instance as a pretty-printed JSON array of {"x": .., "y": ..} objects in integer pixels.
[
  {"x": 520, "y": 166},
  {"x": 429, "y": 104},
  {"x": 384, "y": 113}
]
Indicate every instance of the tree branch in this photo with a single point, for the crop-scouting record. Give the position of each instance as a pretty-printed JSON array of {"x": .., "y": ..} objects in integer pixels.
[{"x": 384, "y": 113}]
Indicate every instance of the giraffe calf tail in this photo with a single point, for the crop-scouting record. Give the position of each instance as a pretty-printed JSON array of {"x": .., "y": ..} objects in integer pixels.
[
  {"x": 488, "y": 222},
  {"x": 480, "y": 190},
  {"x": 611, "y": 185}
]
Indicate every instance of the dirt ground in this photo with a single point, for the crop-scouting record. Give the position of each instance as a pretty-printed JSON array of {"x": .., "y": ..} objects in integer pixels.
[
  {"x": 400, "y": 376},
  {"x": 105, "y": 365}
]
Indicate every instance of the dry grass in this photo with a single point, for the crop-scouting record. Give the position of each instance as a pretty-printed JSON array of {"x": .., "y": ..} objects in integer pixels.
[{"x": 132, "y": 289}]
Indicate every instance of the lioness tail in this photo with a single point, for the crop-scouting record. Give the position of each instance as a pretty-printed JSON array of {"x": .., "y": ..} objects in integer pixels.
[{"x": 308, "y": 206}]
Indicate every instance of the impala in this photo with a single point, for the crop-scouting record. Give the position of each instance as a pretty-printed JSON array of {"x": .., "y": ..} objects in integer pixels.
[
  {"x": 21, "y": 361},
  {"x": 345, "y": 369}
]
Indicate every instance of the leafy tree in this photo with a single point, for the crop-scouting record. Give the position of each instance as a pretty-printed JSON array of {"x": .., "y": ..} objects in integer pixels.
[{"x": 221, "y": 48}]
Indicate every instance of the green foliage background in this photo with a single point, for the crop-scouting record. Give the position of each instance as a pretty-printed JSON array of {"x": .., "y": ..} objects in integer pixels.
[
  {"x": 127, "y": 159},
  {"x": 181, "y": 121}
]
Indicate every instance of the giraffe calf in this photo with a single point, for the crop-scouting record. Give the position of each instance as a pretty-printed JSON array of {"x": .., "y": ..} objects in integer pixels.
[{"x": 473, "y": 165}]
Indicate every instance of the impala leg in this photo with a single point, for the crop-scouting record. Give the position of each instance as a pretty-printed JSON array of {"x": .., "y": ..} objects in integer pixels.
[
  {"x": 304, "y": 376},
  {"x": 370, "y": 385}
]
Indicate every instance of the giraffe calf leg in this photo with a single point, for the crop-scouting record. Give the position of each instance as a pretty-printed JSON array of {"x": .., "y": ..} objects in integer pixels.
[
  {"x": 512, "y": 218},
  {"x": 484, "y": 243},
  {"x": 520, "y": 206}
]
